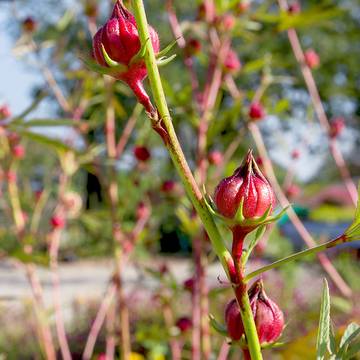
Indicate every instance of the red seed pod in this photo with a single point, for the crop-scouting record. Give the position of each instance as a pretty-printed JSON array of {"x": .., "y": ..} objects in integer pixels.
[
  {"x": 256, "y": 111},
  {"x": 4, "y": 112},
  {"x": 292, "y": 191},
  {"x": 57, "y": 222},
  {"x": 247, "y": 184},
  {"x": 142, "y": 211},
  {"x": 29, "y": 25},
  {"x": 184, "y": 324},
  {"x": 294, "y": 8},
  {"x": 18, "y": 151},
  {"x": 269, "y": 319},
  {"x": 242, "y": 6},
  {"x": 233, "y": 320},
  {"x": 11, "y": 176},
  {"x": 142, "y": 153},
  {"x": 312, "y": 59},
  {"x": 295, "y": 154},
  {"x": 189, "y": 284},
  {"x": 206, "y": 11},
  {"x": 193, "y": 47},
  {"x": 119, "y": 38},
  {"x": 336, "y": 127},
  {"x": 232, "y": 63},
  {"x": 215, "y": 157},
  {"x": 168, "y": 186}
]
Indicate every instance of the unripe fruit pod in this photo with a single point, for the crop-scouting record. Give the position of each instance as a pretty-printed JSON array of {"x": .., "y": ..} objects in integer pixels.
[
  {"x": 256, "y": 111},
  {"x": 142, "y": 153},
  {"x": 247, "y": 184},
  {"x": 269, "y": 319}
]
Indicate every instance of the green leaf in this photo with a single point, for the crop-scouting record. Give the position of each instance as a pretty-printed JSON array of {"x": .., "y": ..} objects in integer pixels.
[
  {"x": 166, "y": 49},
  {"x": 323, "y": 337},
  {"x": 43, "y": 122},
  {"x": 353, "y": 231},
  {"x": 219, "y": 328},
  {"x": 350, "y": 334},
  {"x": 353, "y": 349}
]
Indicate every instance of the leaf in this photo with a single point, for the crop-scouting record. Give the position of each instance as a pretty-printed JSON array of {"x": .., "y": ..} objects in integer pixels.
[
  {"x": 353, "y": 231},
  {"x": 43, "y": 122},
  {"x": 166, "y": 49},
  {"x": 219, "y": 328},
  {"x": 350, "y": 334},
  {"x": 323, "y": 337}
]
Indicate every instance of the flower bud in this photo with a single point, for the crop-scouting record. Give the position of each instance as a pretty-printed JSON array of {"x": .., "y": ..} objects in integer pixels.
[
  {"x": 215, "y": 157},
  {"x": 247, "y": 184},
  {"x": 312, "y": 59},
  {"x": 242, "y": 6},
  {"x": 142, "y": 211},
  {"x": 226, "y": 22},
  {"x": 120, "y": 40},
  {"x": 232, "y": 63},
  {"x": 269, "y": 319},
  {"x": 184, "y": 324},
  {"x": 4, "y": 112},
  {"x": 336, "y": 127},
  {"x": 256, "y": 111},
  {"x": 292, "y": 191},
  {"x": 206, "y": 11},
  {"x": 142, "y": 153},
  {"x": 29, "y": 25}
]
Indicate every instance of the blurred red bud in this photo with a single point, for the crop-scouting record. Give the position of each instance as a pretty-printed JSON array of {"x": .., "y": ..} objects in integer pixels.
[
  {"x": 184, "y": 324},
  {"x": 18, "y": 151},
  {"x": 336, "y": 127},
  {"x": 295, "y": 154},
  {"x": 232, "y": 63},
  {"x": 142, "y": 153},
  {"x": 57, "y": 222},
  {"x": 215, "y": 157},
  {"x": 312, "y": 59},
  {"x": 29, "y": 25},
  {"x": 256, "y": 111},
  {"x": 4, "y": 112},
  {"x": 294, "y": 8},
  {"x": 168, "y": 186}
]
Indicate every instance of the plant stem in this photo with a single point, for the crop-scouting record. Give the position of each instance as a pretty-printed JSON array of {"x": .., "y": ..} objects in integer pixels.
[
  {"x": 172, "y": 142},
  {"x": 297, "y": 256}
]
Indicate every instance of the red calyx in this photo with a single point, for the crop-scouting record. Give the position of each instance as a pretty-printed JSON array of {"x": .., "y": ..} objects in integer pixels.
[
  {"x": 184, "y": 324},
  {"x": 215, "y": 157},
  {"x": 256, "y": 111},
  {"x": 4, "y": 112},
  {"x": 142, "y": 153},
  {"x": 57, "y": 222},
  {"x": 189, "y": 284},
  {"x": 249, "y": 184},
  {"x": 29, "y": 25},
  {"x": 18, "y": 151},
  {"x": 232, "y": 63},
  {"x": 120, "y": 39},
  {"x": 168, "y": 186},
  {"x": 336, "y": 127},
  {"x": 294, "y": 8},
  {"x": 295, "y": 154},
  {"x": 312, "y": 59},
  {"x": 193, "y": 47},
  {"x": 269, "y": 319}
]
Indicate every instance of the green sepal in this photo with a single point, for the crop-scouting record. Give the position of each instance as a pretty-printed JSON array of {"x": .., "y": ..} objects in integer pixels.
[
  {"x": 352, "y": 233},
  {"x": 219, "y": 328},
  {"x": 111, "y": 63},
  {"x": 166, "y": 49},
  {"x": 111, "y": 71},
  {"x": 140, "y": 54},
  {"x": 165, "y": 60}
]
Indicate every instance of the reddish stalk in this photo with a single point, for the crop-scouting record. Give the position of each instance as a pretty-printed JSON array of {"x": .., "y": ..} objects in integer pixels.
[
  {"x": 54, "y": 241},
  {"x": 110, "y": 333},
  {"x": 99, "y": 321},
  {"x": 125, "y": 347},
  {"x": 305, "y": 235},
  {"x": 319, "y": 108},
  {"x": 224, "y": 351},
  {"x": 175, "y": 346}
]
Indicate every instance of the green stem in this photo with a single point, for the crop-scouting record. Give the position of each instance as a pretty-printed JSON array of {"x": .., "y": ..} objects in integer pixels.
[
  {"x": 182, "y": 167},
  {"x": 297, "y": 256},
  {"x": 172, "y": 142},
  {"x": 249, "y": 327}
]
